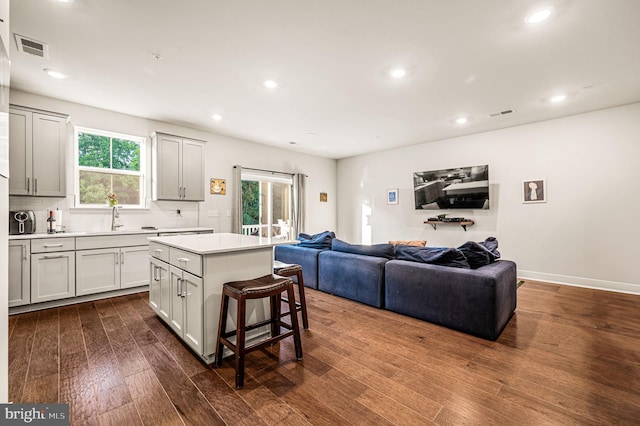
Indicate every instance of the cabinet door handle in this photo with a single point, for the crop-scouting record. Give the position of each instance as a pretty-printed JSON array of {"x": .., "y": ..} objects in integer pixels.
[
  {"x": 182, "y": 259},
  {"x": 52, "y": 245},
  {"x": 158, "y": 250},
  {"x": 122, "y": 258},
  {"x": 24, "y": 252},
  {"x": 35, "y": 185},
  {"x": 178, "y": 292},
  {"x": 28, "y": 184},
  {"x": 155, "y": 273},
  {"x": 54, "y": 257}
]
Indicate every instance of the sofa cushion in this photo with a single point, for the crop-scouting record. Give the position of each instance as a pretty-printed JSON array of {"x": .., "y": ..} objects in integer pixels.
[
  {"x": 316, "y": 241},
  {"x": 377, "y": 250},
  {"x": 434, "y": 255},
  {"x": 356, "y": 277},
  {"x": 416, "y": 243},
  {"x": 482, "y": 253},
  {"x": 303, "y": 256}
]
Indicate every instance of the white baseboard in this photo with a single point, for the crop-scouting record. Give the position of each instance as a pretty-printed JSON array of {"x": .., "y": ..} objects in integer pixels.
[{"x": 580, "y": 282}]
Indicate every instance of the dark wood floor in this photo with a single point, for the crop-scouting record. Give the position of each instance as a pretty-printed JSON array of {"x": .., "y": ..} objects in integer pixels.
[{"x": 568, "y": 356}]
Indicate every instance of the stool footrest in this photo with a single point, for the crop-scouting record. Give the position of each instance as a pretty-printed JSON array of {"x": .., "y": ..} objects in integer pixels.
[{"x": 259, "y": 345}]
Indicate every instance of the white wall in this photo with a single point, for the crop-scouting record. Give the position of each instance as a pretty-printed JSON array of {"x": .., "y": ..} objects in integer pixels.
[
  {"x": 221, "y": 154},
  {"x": 586, "y": 234}
]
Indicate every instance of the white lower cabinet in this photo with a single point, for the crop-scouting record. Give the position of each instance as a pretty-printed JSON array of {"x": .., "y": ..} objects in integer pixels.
[
  {"x": 98, "y": 271},
  {"x": 109, "y": 269},
  {"x": 160, "y": 288},
  {"x": 53, "y": 276},
  {"x": 133, "y": 266},
  {"x": 186, "y": 307},
  {"x": 19, "y": 273}
]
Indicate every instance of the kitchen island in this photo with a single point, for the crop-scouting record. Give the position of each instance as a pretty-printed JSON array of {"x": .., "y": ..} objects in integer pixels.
[{"x": 187, "y": 273}]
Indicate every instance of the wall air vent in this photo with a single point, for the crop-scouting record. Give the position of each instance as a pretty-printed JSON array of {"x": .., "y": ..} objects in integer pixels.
[
  {"x": 32, "y": 47},
  {"x": 498, "y": 114}
]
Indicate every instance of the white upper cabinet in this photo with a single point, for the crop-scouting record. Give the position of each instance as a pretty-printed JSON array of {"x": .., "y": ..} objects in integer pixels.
[
  {"x": 37, "y": 144},
  {"x": 177, "y": 168}
]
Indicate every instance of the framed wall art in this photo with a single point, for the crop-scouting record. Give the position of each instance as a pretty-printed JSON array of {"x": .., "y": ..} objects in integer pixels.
[
  {"x": 534, "y": 191},
  {"x": 392, "y": 196},
  {"x": 218, "y": 186}
]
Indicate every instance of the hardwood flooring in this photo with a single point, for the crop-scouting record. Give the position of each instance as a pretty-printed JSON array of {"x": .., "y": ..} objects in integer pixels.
[{"x": 568, "y": 356}]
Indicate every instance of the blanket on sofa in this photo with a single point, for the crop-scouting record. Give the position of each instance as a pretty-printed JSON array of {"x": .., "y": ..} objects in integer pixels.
[
  {"x": 470, "y": 255},
  {"x": 316, "y": 241}
]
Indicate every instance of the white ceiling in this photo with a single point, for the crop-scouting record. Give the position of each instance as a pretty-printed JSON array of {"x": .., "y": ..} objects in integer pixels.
[{"x": 331, "y": 59}]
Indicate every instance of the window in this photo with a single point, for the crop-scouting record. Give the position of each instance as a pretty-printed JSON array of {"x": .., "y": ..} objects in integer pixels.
[
  {"x": 109, "y": 163},
  {"x": 267, "y": 207}
]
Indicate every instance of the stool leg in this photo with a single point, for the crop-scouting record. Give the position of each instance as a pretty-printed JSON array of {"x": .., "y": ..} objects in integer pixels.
[
  {"x": 240, "y": 337},
  {"x": 275, "y": 302},
  {"x": 303, "y": 301},
  {"x": 222, "y": 328},
  {"x": 294, "y": 322}
]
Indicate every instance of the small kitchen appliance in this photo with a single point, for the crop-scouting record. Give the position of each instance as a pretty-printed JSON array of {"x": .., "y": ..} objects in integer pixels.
[{"x": 22, "y": 222}]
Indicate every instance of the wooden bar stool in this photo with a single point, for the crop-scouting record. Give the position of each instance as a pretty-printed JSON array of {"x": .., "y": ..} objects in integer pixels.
[
  {"x": 290, "y": 270},
  {"x": 270, "y": 286}
]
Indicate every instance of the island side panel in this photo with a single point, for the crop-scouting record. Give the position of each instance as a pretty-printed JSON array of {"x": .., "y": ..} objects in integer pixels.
[{"x": 220, "y": 268}]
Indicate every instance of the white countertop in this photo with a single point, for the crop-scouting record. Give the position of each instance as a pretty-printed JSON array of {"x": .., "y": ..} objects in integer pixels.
[
  {"x": 219, "y": 243},
  {"x": 111, "y": 233}
]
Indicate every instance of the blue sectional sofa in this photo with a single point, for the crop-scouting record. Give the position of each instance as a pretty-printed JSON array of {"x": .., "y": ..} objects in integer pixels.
[{"x": 477, "y": 295}]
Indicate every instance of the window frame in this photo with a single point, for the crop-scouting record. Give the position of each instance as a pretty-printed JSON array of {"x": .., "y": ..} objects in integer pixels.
[{"x": 142, "y": 141}]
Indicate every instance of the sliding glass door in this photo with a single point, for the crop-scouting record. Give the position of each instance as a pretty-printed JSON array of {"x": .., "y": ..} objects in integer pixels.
[{"x": 267, "y": 204}]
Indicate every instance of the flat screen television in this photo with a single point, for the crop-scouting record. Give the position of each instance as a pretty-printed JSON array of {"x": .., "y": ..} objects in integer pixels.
[{"x": 459, "y": 188}]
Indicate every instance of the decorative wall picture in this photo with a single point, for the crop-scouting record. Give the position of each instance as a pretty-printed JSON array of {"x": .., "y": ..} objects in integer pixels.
[
  {"x": 392, "y": 196},
  {"x": 459, "y": 188},
  {"x": 323, "y": 197},
  {"x": 534, "y": 191},
  {"x": 218, "y": 186}
]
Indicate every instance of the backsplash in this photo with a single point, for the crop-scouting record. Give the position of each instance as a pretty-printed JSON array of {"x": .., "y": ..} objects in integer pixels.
[{"x": 161, "y": 214}]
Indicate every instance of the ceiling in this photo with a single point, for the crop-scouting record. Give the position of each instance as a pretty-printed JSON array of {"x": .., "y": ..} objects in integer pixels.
[{"x": 331, "y": 59}]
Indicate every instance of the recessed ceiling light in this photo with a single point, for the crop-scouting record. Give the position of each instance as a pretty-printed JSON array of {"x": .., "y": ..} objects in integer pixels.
[
  {"x": 271, "y": 84},
  {"x": 65, "y": 1},
  {"x": 216, "y": 117},
  {"x": 398, "y": 72},
  {"x": 54, "y": 73},
  {"x": 558, "y": 98},
  {"x": 311, "y": 134},
  {"x": 461, "y": 120},
  {"x": 539, "y": 16}
]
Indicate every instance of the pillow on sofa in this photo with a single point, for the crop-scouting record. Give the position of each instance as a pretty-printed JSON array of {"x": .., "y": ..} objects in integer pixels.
[
  {"x": 435, "y": 255},
  {"x": 482, "y": 253},
  {"x": 377, "y": 250},
  {"x": 416, "y": 243},
  {"x": 317, "y": 241}
]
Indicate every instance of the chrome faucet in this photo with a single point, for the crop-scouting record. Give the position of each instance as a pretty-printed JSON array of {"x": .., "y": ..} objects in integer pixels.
[{"x": 115, "y": 215}]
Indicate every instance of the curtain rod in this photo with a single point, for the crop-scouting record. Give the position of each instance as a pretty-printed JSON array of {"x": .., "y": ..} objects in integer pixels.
[{"x": 264, "y": 170}]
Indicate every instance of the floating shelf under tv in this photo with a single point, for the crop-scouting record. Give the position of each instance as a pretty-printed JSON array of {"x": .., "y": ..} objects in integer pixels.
[{"x": 463, "y": 223}]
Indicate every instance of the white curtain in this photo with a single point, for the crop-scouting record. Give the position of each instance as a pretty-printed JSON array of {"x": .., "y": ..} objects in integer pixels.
[
  {"x": 299, "y": 204},
  {"x": 236, "y": 218}
]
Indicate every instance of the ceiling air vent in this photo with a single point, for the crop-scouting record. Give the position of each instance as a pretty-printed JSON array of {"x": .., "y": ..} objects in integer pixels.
[
  {"x": 498, "y": 114},
  {"x": 32, "y": 47}
]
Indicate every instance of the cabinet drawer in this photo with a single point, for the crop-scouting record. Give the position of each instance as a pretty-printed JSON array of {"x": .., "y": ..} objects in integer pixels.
[
  {"x": 186, "y": 261},
  {"x": 159, "y": 251},
  {"x": 104, "y": 241},
  {"x": 46, "y": 245}
]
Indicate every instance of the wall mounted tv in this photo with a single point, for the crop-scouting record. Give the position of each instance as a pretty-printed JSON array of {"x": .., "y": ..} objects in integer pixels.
[{"x": 459, "y": 188}]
